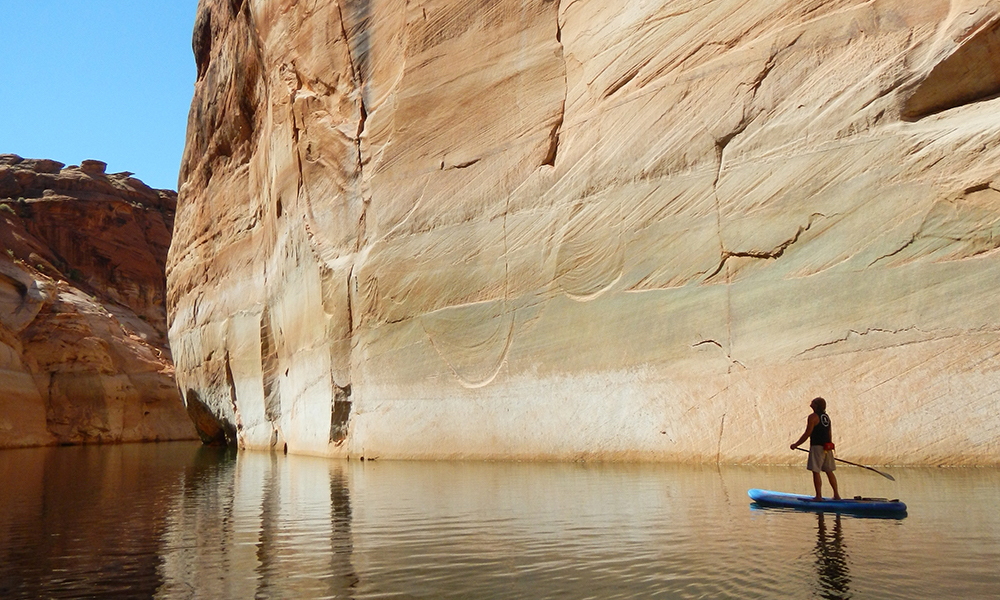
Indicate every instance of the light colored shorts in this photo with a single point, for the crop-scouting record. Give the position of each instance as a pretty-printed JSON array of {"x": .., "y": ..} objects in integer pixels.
[{"x": 821, "y": 460}]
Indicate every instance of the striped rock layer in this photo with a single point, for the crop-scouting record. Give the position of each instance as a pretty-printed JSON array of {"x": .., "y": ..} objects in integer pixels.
[
  {"x": 553, "y": 229},
  {"x": 83, "y": 326}
]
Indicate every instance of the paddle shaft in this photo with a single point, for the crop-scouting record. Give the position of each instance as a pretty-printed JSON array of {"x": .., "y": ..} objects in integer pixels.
[{"x": 847, "y": 462}]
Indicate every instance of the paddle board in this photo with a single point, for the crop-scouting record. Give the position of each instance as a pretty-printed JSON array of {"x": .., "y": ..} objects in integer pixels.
[{"x": 856, "y": 505}]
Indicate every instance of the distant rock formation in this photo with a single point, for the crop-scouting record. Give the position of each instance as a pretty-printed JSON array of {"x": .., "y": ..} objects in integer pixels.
[
  {"x": 83, "y": 348},
  {"x": 593, "y": 230}
]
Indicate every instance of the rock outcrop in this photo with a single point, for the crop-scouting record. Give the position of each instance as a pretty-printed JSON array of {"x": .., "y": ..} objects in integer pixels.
[
  {"x": 593, "y": 230},
  {"x": 83, "y": 348}
]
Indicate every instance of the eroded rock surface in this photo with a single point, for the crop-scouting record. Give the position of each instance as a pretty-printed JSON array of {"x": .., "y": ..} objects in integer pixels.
[
  {"x": 591, "y": 230},
  {"x": 83, "y": 348}
]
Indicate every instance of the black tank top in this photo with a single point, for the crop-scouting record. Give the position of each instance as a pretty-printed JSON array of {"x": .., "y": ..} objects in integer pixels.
[{"x": 821, "y": 432}]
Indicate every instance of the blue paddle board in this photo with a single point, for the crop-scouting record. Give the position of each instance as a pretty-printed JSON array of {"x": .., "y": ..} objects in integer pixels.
[{"x": 856, "y": 505}]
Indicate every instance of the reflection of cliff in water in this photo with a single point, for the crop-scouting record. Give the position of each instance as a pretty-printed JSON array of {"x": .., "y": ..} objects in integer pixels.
[
  {"x": 83, "y": 521},
  {"x": 298, "y": 521},
  {"x": 831, "y": 560}
]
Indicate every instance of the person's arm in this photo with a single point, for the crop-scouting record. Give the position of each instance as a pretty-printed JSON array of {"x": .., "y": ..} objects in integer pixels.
[{"x": 810, "y": 424}]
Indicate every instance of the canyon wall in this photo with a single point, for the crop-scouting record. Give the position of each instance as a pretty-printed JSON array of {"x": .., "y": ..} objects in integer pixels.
[
  {"x": 553, "y": 229},
  {"x": 83, "y": 324}
]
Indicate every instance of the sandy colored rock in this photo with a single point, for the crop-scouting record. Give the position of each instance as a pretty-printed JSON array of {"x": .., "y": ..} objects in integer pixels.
[
  {"x": 83, "y": 352},
  {"x": 593, "y": 230}
]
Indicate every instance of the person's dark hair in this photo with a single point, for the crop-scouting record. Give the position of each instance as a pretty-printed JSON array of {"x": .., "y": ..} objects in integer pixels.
[{"x": 819, "y": 404}]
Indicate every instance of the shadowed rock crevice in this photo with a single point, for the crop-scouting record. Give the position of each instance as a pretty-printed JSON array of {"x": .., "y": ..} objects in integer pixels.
[
  {"x": 358, "y": 56},
  {"x": 225, "y": 121},
  {"x": 212, "y": 429},
  {"x": 969, "y": 74},
  {"x": 340, "y": 414},
  {"x": 550, "y": 155},
  {"x": 201, "y": 41},
  {"x": 269, "y": 369},
  {"x": 233, "y": 405}
]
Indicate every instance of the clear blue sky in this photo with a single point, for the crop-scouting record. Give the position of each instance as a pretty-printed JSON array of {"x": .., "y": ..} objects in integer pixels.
[{"x": 105, "y": 79}]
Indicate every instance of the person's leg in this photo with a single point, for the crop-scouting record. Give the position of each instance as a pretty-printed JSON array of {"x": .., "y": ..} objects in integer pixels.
[
  {"x": 833, "y": 484},
  {"x": 815, "y": 465}
]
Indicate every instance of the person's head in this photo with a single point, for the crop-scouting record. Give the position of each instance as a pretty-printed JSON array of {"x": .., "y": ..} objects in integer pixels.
[{"x": 818, "y": 405}]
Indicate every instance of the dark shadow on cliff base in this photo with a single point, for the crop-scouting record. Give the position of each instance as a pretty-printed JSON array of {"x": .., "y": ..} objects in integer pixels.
[{"x": 212, "y": 429}]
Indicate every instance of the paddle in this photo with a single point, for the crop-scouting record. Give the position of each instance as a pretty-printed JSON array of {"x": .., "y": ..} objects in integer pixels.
[{"x": 886, "y": 475}]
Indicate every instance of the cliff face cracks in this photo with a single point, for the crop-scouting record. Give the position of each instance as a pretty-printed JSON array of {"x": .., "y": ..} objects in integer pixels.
[
  {"x": 359, "y": 65},
  {"x": 771, "y": 254},
  {"x": 496, "y": 244},
  {"x": 918, "y": 336},
  {"x": 749, "y": 112},
  {"x": 550, "y": 156},
  {"x": 962, "y": 227}
]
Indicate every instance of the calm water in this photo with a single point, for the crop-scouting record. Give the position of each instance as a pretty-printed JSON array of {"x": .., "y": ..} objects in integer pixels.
[{"x": 180, "y": 521}]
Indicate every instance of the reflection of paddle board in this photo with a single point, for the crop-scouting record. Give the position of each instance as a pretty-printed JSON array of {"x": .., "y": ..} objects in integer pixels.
[{"x": 856, "y": 505}]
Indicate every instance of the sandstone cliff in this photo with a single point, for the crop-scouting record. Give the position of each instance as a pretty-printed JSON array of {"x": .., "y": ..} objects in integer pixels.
[
  {"x": 592, "y": 230},
  {"x": 83, "y": 348}
]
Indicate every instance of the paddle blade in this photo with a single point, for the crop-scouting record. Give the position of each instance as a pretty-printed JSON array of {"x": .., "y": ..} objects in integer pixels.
[{"x": 886, "y": 475}]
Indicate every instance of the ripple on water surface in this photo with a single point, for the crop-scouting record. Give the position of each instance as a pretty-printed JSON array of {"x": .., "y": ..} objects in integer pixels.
[{"x": 181, "y": 521}]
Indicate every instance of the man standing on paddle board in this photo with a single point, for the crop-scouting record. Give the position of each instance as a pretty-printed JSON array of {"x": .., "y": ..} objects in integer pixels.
[{"x": 820, "y": 448}]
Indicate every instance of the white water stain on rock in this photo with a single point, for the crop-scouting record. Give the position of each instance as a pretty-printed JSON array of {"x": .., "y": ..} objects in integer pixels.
[{"x": 560, "y": 229}]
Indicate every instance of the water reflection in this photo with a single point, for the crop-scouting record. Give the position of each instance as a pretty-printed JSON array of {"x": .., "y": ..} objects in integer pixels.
[
  {"x": 261, "y": 526},
  {"x": 186, "y": 522},
  {"x": 831, "y": 560},
  {"x": 269, "y": 526},
  {"x": 84, "y": 522}
]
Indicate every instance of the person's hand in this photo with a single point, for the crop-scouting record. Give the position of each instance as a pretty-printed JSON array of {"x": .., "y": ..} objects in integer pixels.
[{"x": 794, "y": 446}]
